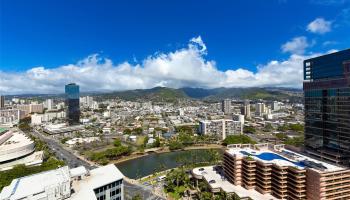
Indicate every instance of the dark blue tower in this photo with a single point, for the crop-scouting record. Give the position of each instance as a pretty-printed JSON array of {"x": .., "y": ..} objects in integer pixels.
[
  {"x": 72, "y": 103},
  {"x": 327, "y": 106}
]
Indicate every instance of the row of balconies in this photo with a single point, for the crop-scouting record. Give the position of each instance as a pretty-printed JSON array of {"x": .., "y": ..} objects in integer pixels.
[
  {"x": 282, "y": 182},
  {"x": 278, "y": 194},
  {"x": 345, "y": 195},
  {"x": 336, "y": 186},
  {"x": 337, "y": 191}
]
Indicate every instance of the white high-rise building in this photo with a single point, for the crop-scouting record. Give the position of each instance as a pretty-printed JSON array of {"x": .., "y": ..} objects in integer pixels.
[
  {"x": 221, "y": 128},
  {"x": 87, "y": 101},
  {"x": 245, "y": 110},
  {"x": 259, "y": 109},
  {"x": 226, "y": 106},
  {"x": 31, "y": 108},
  {"x": 11, "y": 116},
  {"x": 181, "y": 112},
  {"x": 49, "y": 104},
  {"x": 275, "y": 106}
]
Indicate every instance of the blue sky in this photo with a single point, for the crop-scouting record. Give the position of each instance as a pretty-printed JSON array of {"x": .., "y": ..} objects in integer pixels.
[{"x": 241, "y": 35}]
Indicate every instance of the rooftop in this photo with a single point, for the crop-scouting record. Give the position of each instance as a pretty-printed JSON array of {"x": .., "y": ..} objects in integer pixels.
[
  {"x": 97, "y": 178},
  {"x": 33, "y": 159},
  {"x": 23, "y": 187},
  {"x": 282, "y": 157},
  {"x": 219, "y": 181},
  {"x": 13, "y": 140},
  {"x": 83, "y": 188}
]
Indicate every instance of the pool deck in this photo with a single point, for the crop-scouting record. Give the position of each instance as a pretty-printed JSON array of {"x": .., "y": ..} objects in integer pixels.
[{"x": 284, "y": 161}]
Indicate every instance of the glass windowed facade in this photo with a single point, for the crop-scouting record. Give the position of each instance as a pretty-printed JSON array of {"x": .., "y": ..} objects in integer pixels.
[
  {"x": 112, "y": 191},
  {"x": 327, "y": 106},
  {"x": 72, "y": 103}
]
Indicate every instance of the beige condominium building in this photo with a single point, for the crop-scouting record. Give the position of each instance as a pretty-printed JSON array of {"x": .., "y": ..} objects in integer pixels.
[{"x": 284, "y": 174}]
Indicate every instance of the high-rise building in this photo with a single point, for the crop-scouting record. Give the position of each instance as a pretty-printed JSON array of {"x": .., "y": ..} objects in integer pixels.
[
  {"x": 245, "y": 109},
  {"x": 289, "y": 175},
  {"x": 327, "y": 106},
  {"x": 87, "y": 101},
  {"x": 31, "y": 108},
  {"x": 72, "y": 103},
  {"x": 48, "y": 104},
  {"x": 221, "y": 127},
  {"x": 226, "y": 106},
  {"x": 259, "y": 109},
  {"x": 275, "y": 106},
  {"x": 2, "y": 102}
]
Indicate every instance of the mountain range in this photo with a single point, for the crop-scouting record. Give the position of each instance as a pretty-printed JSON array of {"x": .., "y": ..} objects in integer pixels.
[{"x": 215, "y": 94}]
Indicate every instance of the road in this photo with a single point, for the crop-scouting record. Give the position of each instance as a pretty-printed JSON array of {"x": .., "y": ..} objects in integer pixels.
[{"x": 71, "y": 160}]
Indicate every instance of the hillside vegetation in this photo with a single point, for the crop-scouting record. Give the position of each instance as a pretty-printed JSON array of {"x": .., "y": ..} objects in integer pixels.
[{"x": 171, "y": 95}]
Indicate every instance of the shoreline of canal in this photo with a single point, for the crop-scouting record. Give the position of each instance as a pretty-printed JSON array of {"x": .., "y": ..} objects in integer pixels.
[{"x": 165, "y": 150}]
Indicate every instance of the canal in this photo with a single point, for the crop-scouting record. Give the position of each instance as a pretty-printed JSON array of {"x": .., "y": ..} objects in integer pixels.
[{"x": 146, "y": 165}]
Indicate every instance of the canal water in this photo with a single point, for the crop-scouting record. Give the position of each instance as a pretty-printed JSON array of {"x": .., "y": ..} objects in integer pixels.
[{"x": 156, "y": 162}]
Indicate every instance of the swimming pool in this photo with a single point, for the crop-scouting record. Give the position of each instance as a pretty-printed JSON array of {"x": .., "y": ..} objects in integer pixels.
[{"x": 272, "y": 156}]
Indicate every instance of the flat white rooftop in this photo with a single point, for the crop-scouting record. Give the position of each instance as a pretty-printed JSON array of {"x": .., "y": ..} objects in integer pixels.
[
  {"x": 61, "y": 128},
  {"x": 33, "y": 159},
  {"x": 98, "y": 177},
  {"x": 35, "y": 184},
  {"x": 210, "y": 174},
  {"x": 17, "y": 139},
  {"x": 284, "y": 157}
]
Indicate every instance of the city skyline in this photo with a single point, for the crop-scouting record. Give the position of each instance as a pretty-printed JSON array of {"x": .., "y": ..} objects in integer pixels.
[{"x": 248, "y": 51}]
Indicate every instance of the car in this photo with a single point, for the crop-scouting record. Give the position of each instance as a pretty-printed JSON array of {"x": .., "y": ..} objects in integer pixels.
[
  {"x": 161, "y": 178},
  {"x": 201, "y": 169},
  {"x": 212, "y": 181}
]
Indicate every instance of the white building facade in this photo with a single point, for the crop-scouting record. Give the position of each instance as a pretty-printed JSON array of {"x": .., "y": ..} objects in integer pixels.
[
  {"x": 103, "y": 183},
  {"x": 221, "y": 128}
]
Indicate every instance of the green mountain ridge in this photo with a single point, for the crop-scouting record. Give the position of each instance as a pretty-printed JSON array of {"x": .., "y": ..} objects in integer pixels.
[{"x": 170, "y": 94}]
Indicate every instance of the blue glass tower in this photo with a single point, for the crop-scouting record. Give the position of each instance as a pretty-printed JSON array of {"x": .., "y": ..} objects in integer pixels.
[
  {"x": 72, "y": 103},
  {"x": 327, "y": 106}
]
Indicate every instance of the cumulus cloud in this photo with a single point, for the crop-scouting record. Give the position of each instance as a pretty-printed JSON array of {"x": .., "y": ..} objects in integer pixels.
[
  {"x": 319, "y": 26},
  {"x": 296, "y": 46},
  {"x": 185, "y": 67}
]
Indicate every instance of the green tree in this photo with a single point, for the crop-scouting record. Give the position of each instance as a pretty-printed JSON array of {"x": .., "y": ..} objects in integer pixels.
[
  {"x": 174, "y": 145},
  {"x": 206, "y": 196},
  {"x": 137, "y": 197},
  {"x": 127, "y": 131},
  {"x": 296, "y": 127},
  {"x": 281, "y": 136},
  {"x": 138, "y": 131},
  {"x": 238, "y": 139},
  {"x": 295, "y": 141},
  {"x": 249, "y": 129},
  {"x": 157, "y": 142},
  {"x": 24, "y": 124},
  {"x": 185, "y": 139},
  {"x": 145, "y": 141},
  {"x": 117, "y": 142}
]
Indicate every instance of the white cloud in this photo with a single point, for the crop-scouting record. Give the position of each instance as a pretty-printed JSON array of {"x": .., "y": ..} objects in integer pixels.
[
  {"x": 319, "y": 26},
  {"x": 185, "y": 67},
  {"x": 329, "y": 43},
  {"x": 296, "y": 46},
  {"x": 198, "y": 41}
]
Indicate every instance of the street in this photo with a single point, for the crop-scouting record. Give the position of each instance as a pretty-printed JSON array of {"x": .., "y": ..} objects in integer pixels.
[
  {"x": 61, "y": 153},
  {"x": 73, "y": 161}
]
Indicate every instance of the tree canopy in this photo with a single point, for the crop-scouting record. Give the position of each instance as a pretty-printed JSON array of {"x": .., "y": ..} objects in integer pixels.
[{"x": 238, "y": 139}]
